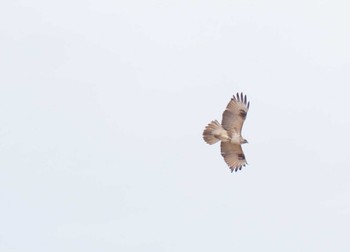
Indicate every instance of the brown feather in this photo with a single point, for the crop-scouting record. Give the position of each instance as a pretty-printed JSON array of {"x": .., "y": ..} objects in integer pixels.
[
  {"x": 235, "y": 114},
  {"x": 233, "y": 155}
]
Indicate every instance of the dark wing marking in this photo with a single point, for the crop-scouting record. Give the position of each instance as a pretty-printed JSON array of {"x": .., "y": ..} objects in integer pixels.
[
  {"x": 235, "y": 114},
  {"x": 233, "y": 155}
]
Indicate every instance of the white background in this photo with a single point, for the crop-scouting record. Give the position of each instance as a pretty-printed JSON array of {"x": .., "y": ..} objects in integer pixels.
[{"x": 102, "y": 107}]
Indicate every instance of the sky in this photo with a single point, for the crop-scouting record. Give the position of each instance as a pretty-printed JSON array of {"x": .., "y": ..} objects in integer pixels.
[{"x": 103, "y": 104}]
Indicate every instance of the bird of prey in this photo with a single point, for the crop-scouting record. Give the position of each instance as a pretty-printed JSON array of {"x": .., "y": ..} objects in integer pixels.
[{"x": 229, "y": 132}]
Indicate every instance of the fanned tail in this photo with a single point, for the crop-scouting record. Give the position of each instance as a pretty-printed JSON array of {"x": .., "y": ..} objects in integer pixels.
[{"x": 208, "y": 133}]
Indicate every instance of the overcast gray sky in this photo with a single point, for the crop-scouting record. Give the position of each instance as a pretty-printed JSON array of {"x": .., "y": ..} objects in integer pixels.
[{"x": 103, "y": 104}]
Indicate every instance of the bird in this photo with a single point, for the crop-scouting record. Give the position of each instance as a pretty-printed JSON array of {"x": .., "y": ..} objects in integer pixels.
[{"x": 229, "y": 132}]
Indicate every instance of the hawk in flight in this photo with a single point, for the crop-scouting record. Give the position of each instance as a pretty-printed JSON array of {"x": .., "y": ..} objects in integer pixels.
[{"x": 229, "y": 132}]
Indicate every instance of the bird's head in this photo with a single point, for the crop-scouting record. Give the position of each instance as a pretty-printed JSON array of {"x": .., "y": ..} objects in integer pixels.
[{"x": 243, "y": 141}]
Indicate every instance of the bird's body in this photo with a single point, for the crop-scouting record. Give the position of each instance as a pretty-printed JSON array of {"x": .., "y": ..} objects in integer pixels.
[{"x": 229, "y": 132}]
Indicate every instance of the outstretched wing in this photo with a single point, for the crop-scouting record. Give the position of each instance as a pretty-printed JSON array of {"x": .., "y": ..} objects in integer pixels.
[
  {"x": 235, "y": 114},
  {"x": 233, "y": 155}
]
